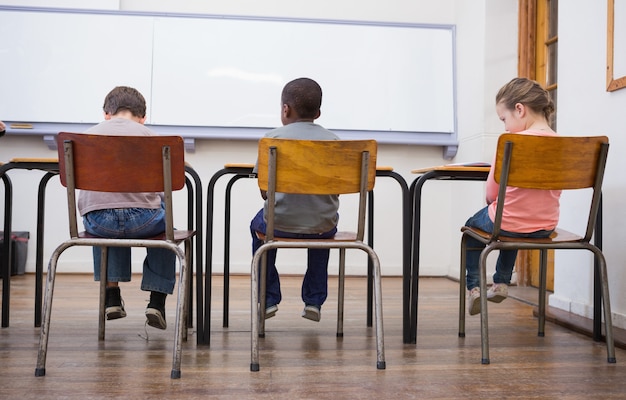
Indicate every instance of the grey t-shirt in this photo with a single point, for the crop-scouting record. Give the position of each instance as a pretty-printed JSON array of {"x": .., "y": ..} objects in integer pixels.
[
  {"x": 299, "y": 213},
  {"x": 92, "y": 201}
]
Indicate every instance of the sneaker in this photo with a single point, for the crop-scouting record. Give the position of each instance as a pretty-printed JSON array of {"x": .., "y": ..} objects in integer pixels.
[
  {"x": 155, "y": 312},
  {"x": 497, "y": 292},
  {"x": 312, "y": 312},
  {"x": 473, "y": 301},
  {"x": 113, "y": 303},
  {"x": 271, "y": 311}
]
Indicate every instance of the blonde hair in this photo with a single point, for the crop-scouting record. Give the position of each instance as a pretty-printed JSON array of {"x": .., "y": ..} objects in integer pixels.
[{"x": 529, "y": 93}]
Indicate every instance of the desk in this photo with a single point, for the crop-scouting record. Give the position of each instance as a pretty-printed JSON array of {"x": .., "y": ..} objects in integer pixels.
[
  {"x": 51, "y": 167},
  {"x": 447, "y": 172},
  {"x": 243, "y": 170},
  {"x": 476, "y": 173}
]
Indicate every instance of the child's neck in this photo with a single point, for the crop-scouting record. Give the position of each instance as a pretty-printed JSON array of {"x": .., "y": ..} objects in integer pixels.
[{"x": 539, "y": 126}]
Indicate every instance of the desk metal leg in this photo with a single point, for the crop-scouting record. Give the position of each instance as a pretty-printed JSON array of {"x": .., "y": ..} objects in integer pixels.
[
  {"x": 41, "y": 201},
  {"x": 416, "y": 195},
  {"x": 227, "y": 208},
  {"x": 190, "y": 226},
  {"x": 6, "y": 254},
  {"x": 208, "y": 270},
  {"x": 240, "y": 172},
  {"x": 199, "y": 265},
  {"x": 406, "y": 250}
]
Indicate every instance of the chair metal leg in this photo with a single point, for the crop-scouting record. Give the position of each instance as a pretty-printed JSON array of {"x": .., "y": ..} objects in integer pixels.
[
  {"x": 484, "y": 324},
  {"x": 104, "y": 278},
  {"x": 543, "y": 267},
  {"x": 462, "y": 286},
  {"x": 263, "y": 287},
  {"x": 608, "y": 323},
  {"x": 341, "y": 293},
  {"x": 378, "y": 305},
  {"x": 181, "y": 323},
  {"x": 188, "y": 294},
  {"x": 254, "y": 311},
  {"x": 40, "y": 369}
]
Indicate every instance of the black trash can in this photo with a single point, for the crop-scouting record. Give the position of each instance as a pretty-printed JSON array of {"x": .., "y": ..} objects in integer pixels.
[{"x": 19, "y": 250}]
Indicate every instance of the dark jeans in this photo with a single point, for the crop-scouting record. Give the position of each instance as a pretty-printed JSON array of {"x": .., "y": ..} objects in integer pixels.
[
  {"x": 506, "y": 258},
  {"x": 315, "y": 283}
]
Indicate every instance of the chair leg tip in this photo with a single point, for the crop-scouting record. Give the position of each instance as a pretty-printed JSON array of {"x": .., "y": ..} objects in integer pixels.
[
  {"x": 175, "y": 374},
  {"x": 381, "y": 365},
  {"x": 484, "y": 361},
  {"x": 612, "y": 360},
  {"x": 254, "y": 367},
  {"x": 462, "y": 334},
  {"x": 40, "y": 372},
  {"x": 339, "y": 334}
]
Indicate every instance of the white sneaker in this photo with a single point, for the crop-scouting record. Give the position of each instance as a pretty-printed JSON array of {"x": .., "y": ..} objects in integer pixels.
[
  {"x": 473, "y": 301},
  {"x": 498, "y": 292},
  {"x": 311, "y": 312},
  {"x": 271, "y": 311}
]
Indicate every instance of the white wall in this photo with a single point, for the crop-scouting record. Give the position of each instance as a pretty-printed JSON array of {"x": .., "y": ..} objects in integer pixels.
[
  {"x": 586, "y": 108},
  {"x": 486, "y": 59}
]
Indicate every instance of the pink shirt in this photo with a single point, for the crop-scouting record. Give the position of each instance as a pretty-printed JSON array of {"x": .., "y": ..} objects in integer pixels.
[{"x": 525, "y": 210}]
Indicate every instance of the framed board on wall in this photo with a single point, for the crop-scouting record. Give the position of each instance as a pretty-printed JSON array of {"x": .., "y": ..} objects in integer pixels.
[{"x": 221, "y": 76}]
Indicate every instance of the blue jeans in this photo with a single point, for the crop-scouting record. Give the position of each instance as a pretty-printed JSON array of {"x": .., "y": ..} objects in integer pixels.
[
  {"x": 159, "y": 266},
  {"x": 315, "y": 283},
  {"x": 506, "y": 258}
]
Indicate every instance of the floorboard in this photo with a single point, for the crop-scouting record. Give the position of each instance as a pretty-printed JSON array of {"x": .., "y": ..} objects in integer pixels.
[{"x": 299, "y": 359}]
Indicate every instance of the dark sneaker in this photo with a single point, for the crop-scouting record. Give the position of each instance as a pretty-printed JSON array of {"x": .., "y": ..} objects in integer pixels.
[
  {"x": 271, "y": 311},
  {"x": 155, "y": 312},
  {"x": 113, "y": 304},
  {"x": 312, "y": 312}
]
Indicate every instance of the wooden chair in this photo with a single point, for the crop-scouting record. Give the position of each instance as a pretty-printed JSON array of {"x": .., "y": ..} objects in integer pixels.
[
  {"x": 315, "y": 167},
  {"x": 121, "y": 164},
  {"x": 546, "y": 163}
]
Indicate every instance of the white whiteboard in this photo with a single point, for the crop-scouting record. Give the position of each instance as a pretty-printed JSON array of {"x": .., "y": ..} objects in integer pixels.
[
  {"x": 209, "y": 71},
  {"x": 59, "y": 67},
  {"x": 380, "y": 78}
]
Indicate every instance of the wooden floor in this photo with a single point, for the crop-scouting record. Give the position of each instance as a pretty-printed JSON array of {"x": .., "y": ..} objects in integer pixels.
[{"x": 299, "y": 359}]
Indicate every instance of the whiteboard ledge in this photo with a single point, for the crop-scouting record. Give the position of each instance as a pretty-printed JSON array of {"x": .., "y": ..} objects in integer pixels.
[{"x": 49, "y": 130}]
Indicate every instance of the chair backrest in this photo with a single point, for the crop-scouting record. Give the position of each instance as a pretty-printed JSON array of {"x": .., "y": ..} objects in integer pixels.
[
  {"x": 129, "y": 164},
  {"x": 125, "y": 164},
  {"x": 318, "y": 167},
  {"x": 551, "y": 163}
]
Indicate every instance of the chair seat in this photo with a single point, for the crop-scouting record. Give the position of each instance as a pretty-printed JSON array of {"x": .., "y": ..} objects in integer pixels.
[
  {"x": 558, "y": 236},
  {"x": 179, "y": 236},
  {"x": 339, "y": 237}
]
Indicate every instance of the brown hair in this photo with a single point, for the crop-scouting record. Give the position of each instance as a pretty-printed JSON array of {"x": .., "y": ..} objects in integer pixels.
[
  {"x": 125, "y": 98},
  {"x": 527, "y": 92}
]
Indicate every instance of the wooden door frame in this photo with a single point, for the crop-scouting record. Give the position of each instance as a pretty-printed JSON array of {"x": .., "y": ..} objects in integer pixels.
[{"x": 531, "y": 63}]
